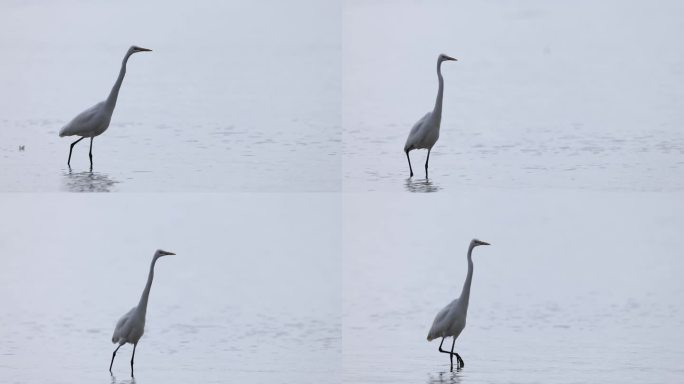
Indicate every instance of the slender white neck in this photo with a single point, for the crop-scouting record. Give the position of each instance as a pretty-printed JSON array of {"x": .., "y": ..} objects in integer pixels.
[
  {"x": 465, "y": 293},
  {"x": 114, "y": 94},
  {"x": 437, "y": 112},
  {"x": 142, "y": 305}
]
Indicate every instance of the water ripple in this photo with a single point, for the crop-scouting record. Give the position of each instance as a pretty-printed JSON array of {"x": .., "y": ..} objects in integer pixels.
[{"x": 88, "y": 181}]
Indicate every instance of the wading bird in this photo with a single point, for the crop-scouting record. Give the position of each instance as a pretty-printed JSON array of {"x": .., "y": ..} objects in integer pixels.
[
  {"x": 131, "y": 326},
  {"x": 451, "y": 320},
  {"x": 425, "y": 132},
  {"x": 95, "y": 120}
]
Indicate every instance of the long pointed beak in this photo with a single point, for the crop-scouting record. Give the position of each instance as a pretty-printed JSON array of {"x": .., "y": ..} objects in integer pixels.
[
  {"x": 144, "y": 49},
  {"x": 484, "y": 243},
  {"x": 167, "y": 253},
  {"x": 451, "y": 58}
]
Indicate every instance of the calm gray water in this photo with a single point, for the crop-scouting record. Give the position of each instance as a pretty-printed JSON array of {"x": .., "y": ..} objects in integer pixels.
[
  {"x": 238, "y": 96},
  {"x": 561, "y": 144},
  {"x": 576, "y": 287},
  {"x": 545, "y": 94},
  {"x": 228, "y": 307}
]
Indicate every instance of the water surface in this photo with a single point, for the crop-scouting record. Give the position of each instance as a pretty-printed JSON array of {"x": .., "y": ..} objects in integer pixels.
[
  {"x": 239, "y": 96},
  {"x": 563, "y": 95},
  {"x": 576, "y": 287},
  {"x": 250, "y": 296}
]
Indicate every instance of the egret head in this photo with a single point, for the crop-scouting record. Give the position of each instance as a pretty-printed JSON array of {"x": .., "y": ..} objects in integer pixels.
[
  {"x": 475, "y": 242},
  {"x": 161, "y": 253},
  {"x": 133, "y": 49},
  {"x": 443, "y": 57}
]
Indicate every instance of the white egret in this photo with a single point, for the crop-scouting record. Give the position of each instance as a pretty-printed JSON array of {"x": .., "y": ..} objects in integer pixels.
[
  {"x": 95, "y": 120},
  {"x": 425, "y": 132},
  {"x": 131, "y": 326},
  {"x": 451, "y": 320}
]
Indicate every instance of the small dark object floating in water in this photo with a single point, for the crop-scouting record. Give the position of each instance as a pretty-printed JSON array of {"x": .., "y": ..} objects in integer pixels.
[{"x": 22, "y": 147}]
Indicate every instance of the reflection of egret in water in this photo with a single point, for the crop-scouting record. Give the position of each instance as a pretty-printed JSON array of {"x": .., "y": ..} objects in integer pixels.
[
  {"x": 421, "y": 186},
  {"x": 444, "y": 377},
  {"x": 88, "y": 181},
  {"x": 127, "y": 381}
]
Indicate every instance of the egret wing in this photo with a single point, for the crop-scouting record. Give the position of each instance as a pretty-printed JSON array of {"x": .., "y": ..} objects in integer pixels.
[
  {"x": 437, "y": 325},
  {"x": 119, "y": 329},
  {"x": 440, "y": 322},
  {"x": 85, "y": 123},
  {"x": 414, "y": 135}
]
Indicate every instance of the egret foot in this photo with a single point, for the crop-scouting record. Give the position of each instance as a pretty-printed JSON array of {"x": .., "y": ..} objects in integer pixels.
[{"x": 459, "y": 361}]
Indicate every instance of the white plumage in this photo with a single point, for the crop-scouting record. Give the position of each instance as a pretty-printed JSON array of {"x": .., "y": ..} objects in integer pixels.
[
  {"x": 126, "y": 329},
  {"x": 421, "y": 137},
  {"x": 131, "y": 326},
  {"x": 451, "y": 320},
  {"x": 95, "y": 120},
  {"x": 425, "y": 132},
  {"x": 448, "y": 321},
  {"x": 89, "y": 123}
]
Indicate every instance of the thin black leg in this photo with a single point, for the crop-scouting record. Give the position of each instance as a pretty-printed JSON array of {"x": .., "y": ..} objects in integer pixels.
[
  {"x": 90, "y": 154},
  {"x": 426, "y": 163},
  {"x": 459, "y": 361},
  {"x": 133, "y": 357},
  {"x": 113, "y": 356},
  {"x": 71, "y": 149},
  {"x": 451, "y": 355},
  {"x": 440, "y": 346},
  {"x": 409, "y": 161}
]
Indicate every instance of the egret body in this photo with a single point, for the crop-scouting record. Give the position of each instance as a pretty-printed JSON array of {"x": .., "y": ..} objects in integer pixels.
[
  {"x": 131, "y": 326},
  {"x": 451, "y": 320},
  {"x": 425, "y": 132},
  {"x": 95, "y": 120}
]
